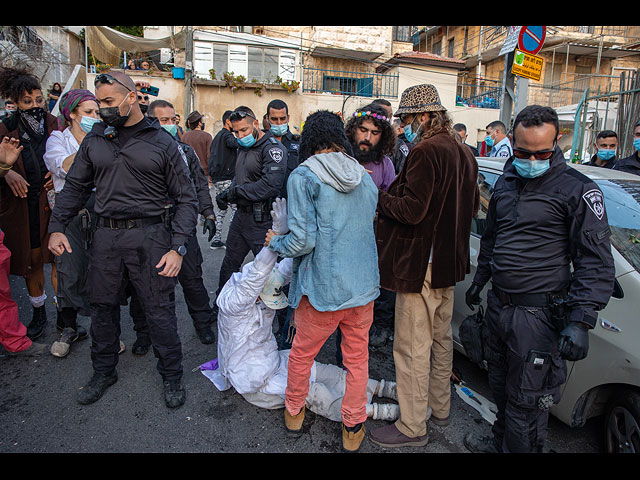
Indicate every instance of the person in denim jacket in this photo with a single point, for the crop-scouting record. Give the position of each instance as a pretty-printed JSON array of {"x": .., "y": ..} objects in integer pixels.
[{"x": 332, "y": 203}]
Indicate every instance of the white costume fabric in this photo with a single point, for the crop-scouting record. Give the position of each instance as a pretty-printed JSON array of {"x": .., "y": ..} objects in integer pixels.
[{"x": 248, "y": 355}]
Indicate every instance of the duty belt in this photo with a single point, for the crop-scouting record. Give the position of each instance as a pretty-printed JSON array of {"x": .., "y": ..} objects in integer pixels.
[
  {"x": 528, "y": 299},
  {"x": 265, "y": 206},
  {"x": 128, "y": 223}
]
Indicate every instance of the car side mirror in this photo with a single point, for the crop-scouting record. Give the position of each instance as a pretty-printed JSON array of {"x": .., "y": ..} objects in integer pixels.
[{"x": 617, "y": 290}]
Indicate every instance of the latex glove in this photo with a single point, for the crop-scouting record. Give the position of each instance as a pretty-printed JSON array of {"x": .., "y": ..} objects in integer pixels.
[
  {"x": 279, "y": 216},
  {"x": 472, "y": 296},
  {"x": 574, "y": 341},
  {"x": 210, "y": 225}
]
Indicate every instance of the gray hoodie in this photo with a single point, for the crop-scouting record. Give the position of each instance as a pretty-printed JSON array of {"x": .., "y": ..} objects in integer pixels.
[{"x": 336, "y": 169}]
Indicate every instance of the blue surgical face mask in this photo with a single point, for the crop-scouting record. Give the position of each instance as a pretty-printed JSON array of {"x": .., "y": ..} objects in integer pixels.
[
  {"x": 279, "y": 130},
  {"x": 636, "y": 144},
  {"x": 530, "y": 168},
  {"x": 606, "y": 154},
  {"x": 172, "y": 129},
  {"x": 488, "y": 140},
  {"x": 408, "y": 134},
  {"x": 86, "y": 123},
  {"x": 247, "y": 141}
]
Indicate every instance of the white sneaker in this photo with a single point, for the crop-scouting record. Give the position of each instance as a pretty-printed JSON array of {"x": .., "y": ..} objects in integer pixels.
[{"x": 63, "y": 345}]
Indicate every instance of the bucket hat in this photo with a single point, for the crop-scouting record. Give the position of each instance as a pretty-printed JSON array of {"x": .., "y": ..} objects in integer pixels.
[{"x": 419, "y": 99}]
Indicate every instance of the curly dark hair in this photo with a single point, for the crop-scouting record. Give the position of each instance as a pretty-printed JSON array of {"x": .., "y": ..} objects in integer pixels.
[
  {"x": 15, "y": 81},
  {"x": 323, "y": 130},
  {"x": 375, "y": 113},
  {"x": 536, "y": 115}
]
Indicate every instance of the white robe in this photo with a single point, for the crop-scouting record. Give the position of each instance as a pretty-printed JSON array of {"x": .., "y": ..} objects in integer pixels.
[{"x": 248, "y": 355}]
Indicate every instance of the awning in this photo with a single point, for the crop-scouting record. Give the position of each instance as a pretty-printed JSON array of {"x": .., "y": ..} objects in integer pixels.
[
  {"x": 359, "y": 55},
  {"x": 106, "y": 44}
]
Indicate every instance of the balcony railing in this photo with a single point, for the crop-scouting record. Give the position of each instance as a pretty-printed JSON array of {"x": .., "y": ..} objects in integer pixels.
[
  {"x": 341, "y": 82},
  {"x": 480, "y": 96}
]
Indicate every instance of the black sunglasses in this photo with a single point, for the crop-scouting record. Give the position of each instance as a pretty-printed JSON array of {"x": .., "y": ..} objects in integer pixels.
[
  {"x": 239, "y": 115},
  {"x": 539, "y": 155},
  {"x": 106, "y": 78}
]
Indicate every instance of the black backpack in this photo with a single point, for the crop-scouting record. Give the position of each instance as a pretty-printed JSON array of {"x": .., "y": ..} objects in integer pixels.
[{"x": 472, "y": 333}]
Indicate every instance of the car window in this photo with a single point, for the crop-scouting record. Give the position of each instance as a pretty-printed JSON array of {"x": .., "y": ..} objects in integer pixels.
[
  {"x": 622, "y": 202},
  {"x": 486, "y": 182}
]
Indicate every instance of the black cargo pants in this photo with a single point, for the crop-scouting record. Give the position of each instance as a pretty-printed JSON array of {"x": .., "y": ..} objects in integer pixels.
[
  {"x": 132, "y": 253},
  {"x": 526, "y": 373},
  {"x": 195, "y": 293}
]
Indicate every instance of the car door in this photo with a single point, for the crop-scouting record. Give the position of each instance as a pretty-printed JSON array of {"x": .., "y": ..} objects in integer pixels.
[{"x": 487, "y": 178}]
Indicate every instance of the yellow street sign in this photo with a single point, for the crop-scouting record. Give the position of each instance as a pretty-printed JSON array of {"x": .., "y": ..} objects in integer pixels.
[{"x": 527, "y": 65}]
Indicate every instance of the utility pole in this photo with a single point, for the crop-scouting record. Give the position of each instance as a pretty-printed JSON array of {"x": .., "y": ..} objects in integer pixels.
[
  {"x": 188, "y": 71},
  {"x": 508, "y": 95}
]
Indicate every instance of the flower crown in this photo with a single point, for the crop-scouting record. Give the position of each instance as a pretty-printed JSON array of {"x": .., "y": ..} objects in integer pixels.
[{"x": 374, "y": 115}]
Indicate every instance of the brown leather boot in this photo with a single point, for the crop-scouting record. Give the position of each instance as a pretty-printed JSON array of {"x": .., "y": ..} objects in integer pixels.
[
  {"x": 293, "y": 423},
  {"x": 351, "y": 441}
]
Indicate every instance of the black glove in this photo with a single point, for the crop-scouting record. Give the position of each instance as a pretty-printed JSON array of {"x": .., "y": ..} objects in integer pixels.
[
  {"x": 210, "y": 225},
  {"x": 224, "y": 198},
  {"x": 472, "y": 297},
  {"x": 222, "y": 205},
  {"x": 574, "y": 341}
]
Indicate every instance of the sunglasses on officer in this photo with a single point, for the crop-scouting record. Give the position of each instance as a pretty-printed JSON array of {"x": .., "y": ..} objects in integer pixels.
[
  {"x": 239, "y": 115},
  {"x": 106, "y": 78},
  {"x": 539, "y": 154}
]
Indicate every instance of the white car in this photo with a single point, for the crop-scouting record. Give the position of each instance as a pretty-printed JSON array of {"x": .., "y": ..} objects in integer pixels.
[{"x": 607, "y": 381}]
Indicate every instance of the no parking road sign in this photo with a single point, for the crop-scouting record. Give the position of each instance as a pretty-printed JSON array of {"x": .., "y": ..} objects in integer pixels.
[{"x": 531, "y": 39}]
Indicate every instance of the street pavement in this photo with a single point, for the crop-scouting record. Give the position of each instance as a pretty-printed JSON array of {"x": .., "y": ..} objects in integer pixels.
[{"x": 39, "y": 412}]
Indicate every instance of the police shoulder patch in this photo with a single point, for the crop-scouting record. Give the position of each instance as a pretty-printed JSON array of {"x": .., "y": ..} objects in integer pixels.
[
  {"x": 595, "y": 201},
  {"x": 276, "y": 154},
  {"x": 182, "y": 154}
]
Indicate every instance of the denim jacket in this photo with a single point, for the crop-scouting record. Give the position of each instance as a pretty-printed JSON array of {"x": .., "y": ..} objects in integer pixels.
[{"x": 331, "y": 207}]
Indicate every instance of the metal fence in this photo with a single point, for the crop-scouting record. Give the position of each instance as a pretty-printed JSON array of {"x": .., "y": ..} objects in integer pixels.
[
  {"x": 485, "y": 95},
  {"x": 342, "y": 82},
  {"x": 626, "y": 113}
]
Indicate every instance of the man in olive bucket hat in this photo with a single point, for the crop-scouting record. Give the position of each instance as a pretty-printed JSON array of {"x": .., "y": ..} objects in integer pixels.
[{"x": 422, "y": 232}]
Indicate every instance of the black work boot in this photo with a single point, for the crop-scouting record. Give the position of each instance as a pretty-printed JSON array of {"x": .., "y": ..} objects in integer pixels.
[
  {"x": 38, "y": 322},
  {"x": 206, "y": 335},
  {"x": 477, "y": 443},
  {"x": 141, "y": 345},
  {"x": 96, "y": 387},
  {"x": 174, "y": 393}
]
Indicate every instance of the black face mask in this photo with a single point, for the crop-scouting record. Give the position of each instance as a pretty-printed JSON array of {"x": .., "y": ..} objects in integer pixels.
[
  {"x": 33, "y": 119},
  {"x": 111, "y": 115}
]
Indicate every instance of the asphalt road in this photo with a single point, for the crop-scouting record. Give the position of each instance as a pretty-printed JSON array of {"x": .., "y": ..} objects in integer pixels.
[{"x": 39, "y": 413}]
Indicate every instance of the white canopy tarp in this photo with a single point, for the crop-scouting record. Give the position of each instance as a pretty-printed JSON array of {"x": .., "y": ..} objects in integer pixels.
[{"x": 106, "y": 44}]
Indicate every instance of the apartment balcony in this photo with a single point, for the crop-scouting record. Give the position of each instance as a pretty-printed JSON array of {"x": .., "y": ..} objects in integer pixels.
[{"x": 342, "y": 82}]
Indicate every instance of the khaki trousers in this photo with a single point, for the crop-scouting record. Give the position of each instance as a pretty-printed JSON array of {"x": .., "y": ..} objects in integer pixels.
[{"x": 423, "y": 355}]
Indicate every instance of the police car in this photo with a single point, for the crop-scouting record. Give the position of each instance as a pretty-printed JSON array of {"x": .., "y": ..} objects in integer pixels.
[{"x": 607, "y": 382}]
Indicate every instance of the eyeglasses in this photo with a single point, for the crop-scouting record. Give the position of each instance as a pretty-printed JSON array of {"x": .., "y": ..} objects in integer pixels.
[
  {"x": 539, "y": 155},
  {"x": 145, "y": 97},
  {"x": 239, "y": 115},
  {"x": 106, "y": 78}
]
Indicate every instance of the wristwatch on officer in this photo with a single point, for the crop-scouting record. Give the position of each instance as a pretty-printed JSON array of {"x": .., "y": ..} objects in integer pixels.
[{"x": 181, "y": 249}]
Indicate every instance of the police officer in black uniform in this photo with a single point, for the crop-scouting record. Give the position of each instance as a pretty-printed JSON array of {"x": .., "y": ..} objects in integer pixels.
[
  {"x": 278, "y": 118},
  {"x": 134, "y": 166},
  {"x": 544, "y": 217},
  {"x": 196, "y": 295},
  {"x": 259, "y": 179}
]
